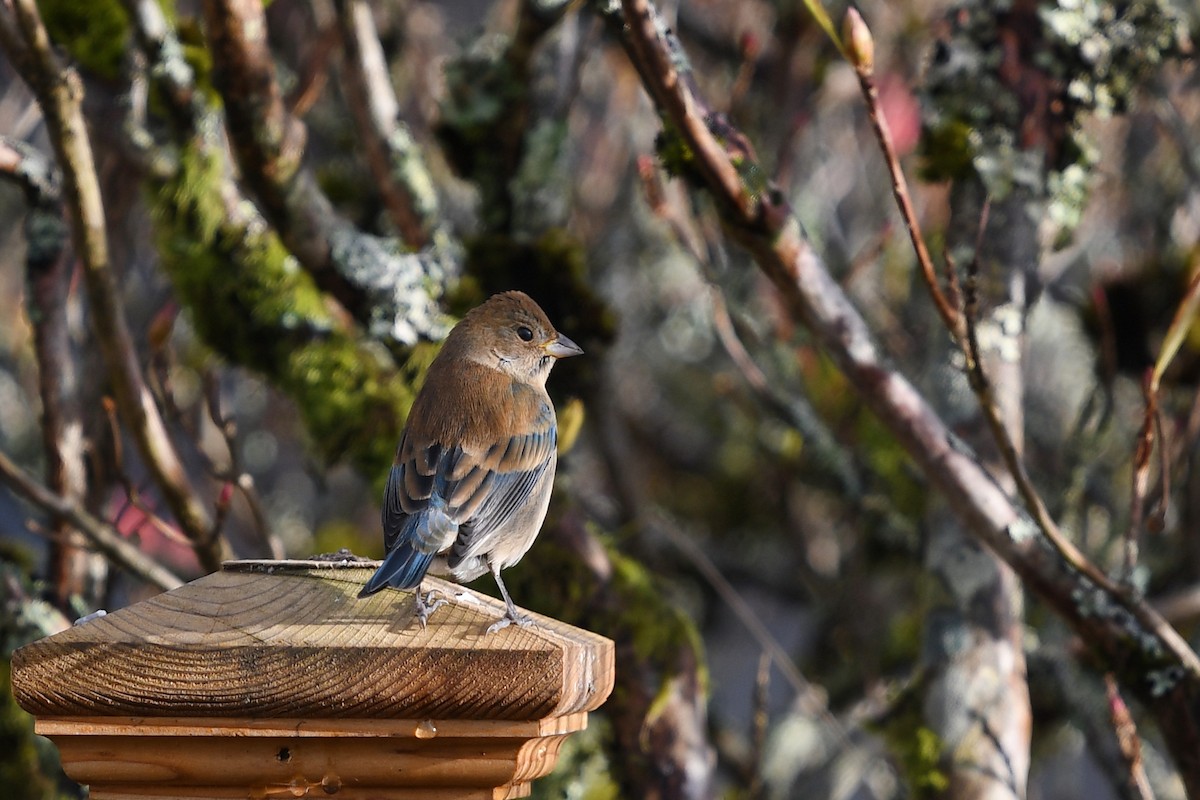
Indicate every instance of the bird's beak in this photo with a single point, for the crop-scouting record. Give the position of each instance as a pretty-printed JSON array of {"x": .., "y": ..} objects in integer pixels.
[{"x": 562, "y": 347}]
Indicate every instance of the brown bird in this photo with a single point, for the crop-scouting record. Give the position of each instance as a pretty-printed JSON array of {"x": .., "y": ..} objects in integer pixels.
[{"x": 470, "y": 485}]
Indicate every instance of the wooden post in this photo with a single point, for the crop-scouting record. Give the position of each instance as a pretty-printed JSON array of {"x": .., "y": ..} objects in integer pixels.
[{"x": 271, "y": 679}]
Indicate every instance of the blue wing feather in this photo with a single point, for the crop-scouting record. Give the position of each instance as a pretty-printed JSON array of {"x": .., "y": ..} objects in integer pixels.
[{"x": 419, "y": 519}]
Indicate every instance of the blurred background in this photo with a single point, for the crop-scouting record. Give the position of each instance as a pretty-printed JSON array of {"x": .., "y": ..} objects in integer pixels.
[{"x": 727, "y": 509}]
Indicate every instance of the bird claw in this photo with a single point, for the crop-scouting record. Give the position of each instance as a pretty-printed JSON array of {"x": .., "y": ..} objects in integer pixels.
[
  {"x": 520, "y": 620},
  {"x": 426, "y": 605}
]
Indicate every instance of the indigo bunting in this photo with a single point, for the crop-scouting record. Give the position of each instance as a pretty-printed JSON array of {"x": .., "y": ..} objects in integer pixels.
[{"x": 471, "y": 480}]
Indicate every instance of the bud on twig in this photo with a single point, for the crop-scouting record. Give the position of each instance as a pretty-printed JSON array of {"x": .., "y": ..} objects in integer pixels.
[{"x": 860, "y": 47}]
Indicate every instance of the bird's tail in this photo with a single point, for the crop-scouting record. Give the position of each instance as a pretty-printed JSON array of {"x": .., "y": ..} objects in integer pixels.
[{"x": 403, "y": 568}]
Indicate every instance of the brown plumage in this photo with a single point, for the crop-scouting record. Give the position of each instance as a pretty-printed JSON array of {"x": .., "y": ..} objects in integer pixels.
[{"x": 471, "y": 481}]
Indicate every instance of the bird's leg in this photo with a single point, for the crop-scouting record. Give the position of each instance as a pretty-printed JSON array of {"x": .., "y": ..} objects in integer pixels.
[
  {"x": 510, "y": 616},
  {"x": 426, "y": 605}
]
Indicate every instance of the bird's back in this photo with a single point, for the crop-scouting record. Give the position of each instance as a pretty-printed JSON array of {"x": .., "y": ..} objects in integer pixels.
[{"x": 475, "y": 483}]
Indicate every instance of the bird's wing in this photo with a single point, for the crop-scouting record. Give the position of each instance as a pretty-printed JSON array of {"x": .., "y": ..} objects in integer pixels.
[
  {"x": 409, "y": 489},
  {"x": 477, "y": 487},
  {"x": 516, "y": 482}
]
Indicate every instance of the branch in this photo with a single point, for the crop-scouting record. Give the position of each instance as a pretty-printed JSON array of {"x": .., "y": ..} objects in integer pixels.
[
  {"x": 384, "y": 289},
  {"x": 392, "y": 153},
  {"x": 169, "y": 70},
  {"x": 107, "y": 540},
  {"x": 981, "y": 385},
  {"x": 1125, "y": 729},
  {"x": 795, "y": 411},
  {"x": 235, "y": 475},
  {"x": 247, "y": 300},
  {"x": 860, "y": 50},
  {"x": 1150, "y": 656},
  {"x": 1181, "y": 324},
  {"x": 60, "y": 92},
  {"x": 49, "y": 266}
]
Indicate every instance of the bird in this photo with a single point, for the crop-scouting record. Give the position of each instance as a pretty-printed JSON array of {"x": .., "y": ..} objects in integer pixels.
[{"x": 470, "y": 484}]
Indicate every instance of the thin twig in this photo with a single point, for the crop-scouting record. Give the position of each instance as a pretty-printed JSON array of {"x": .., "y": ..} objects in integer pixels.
[
  {"x": 796, "y": 411},
  {"x": 60, "y": 92},
  {"x": 860, "y": 37},
  {"x": 809, "y": 695},
  {"x": 667, "y": 86},
  {"x": 106, "y": 539},
  {"x": 775, "y": 239},
  {"x": 1130, "y": 745},
  {"x": 758, "y": 731},
  {"x": 235, "y": 475},
  {"x": 133, "y": 492},
  {"x": 316, "y": 73},
  {"x": 1140, "y": 483},
  {"x": 982, "y": 387},
  {"x": 1181, "y": 323}
]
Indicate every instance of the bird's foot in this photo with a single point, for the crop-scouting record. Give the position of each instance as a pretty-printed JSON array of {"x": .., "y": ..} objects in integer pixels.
[
  {"x": 426, "y": 605},
  {"x": 520, "y": 620}
]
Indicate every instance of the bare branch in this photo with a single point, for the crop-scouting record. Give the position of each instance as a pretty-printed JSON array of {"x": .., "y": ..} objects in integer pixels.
[
  {"x": 1009, "y": 452},
  {"x": 392, "y": 153},
  {"x": 860, "y": 47},
  {"x": 675, "y": 97},
  {"x": 235, "y": 476},
  {"x": 107, "y": 540},
  {"x": 49, "y": 266},
  {"x": 1130, "y": 635},
  {"x": 315, "y": 76},
  {"x": 384, "y": 289},
  {"x": 1181, "y": 323},
  {"x": 1130, "y": 745},
  {"x": 59, "y": 92}
]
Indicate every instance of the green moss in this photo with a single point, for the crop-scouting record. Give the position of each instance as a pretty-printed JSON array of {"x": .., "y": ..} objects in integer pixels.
[
  {"x": 29, "y": 764},
  {"x": 21, "y": 765},
  {"x": 674, "y": 153},
  {"x": 917, "y": 749},
  {"x": 755, "y": 180},
  {"x": 252, "y": 304},
  {"x": 922, "y": 761},
  {"x": 658, "y": 649},
  {"x": 945, "y": 151},
  {"x": 94, "y": 32},
  {"x": 659, "y": 630},
  {"x": 656, "y": 630}
]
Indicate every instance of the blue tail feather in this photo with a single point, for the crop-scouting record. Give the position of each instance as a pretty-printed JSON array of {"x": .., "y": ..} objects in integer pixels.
[{"x": 403, "y": 568}]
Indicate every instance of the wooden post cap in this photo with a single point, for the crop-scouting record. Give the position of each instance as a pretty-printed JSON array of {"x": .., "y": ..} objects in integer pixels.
[{"x": 271, "y": 679}]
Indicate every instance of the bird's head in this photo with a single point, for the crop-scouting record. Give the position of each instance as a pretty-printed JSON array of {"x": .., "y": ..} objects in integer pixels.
[{"x": 511, "y": 333}]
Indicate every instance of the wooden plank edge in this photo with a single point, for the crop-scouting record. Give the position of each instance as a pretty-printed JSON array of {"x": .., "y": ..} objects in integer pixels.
[{"x": 309, "y": 728}]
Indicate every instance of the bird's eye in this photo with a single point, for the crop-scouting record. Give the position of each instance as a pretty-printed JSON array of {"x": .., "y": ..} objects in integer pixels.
[{"x": 525, "y": 333}]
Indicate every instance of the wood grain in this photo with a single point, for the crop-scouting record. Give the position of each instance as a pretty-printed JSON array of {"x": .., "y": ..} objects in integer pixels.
[
  {"x": 194, "y": 758},
  {"x": 296, "y": 642},
  {"x": 271, "y": 679}
]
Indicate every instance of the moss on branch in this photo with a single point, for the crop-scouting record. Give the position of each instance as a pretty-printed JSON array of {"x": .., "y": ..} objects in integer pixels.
[{"x": 252, "y": 304}]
